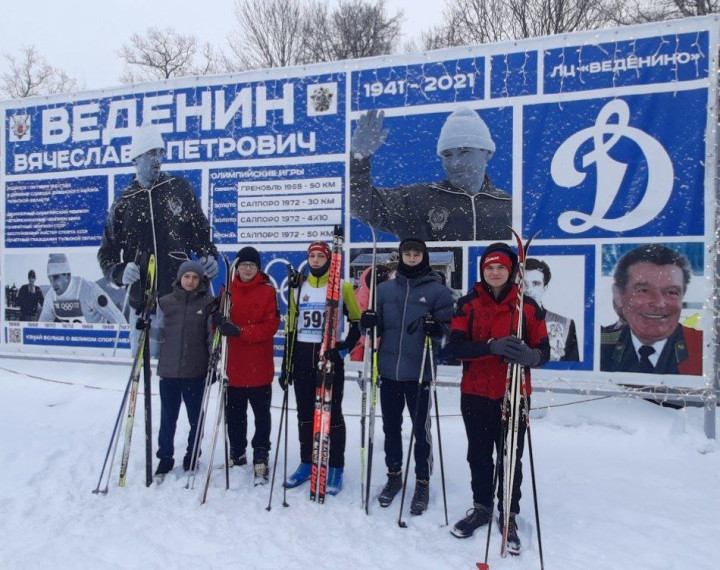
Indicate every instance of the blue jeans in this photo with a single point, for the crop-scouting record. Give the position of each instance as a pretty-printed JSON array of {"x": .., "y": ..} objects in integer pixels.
[{"x": 173, "y": 391}]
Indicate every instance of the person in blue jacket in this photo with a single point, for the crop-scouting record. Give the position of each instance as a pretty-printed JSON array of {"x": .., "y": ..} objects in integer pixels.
[{"x": 409, "y": 307}]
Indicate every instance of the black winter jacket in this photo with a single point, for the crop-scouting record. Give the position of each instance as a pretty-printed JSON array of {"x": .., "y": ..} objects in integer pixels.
[
  {"x": 165, "y": 219},
  {"x": 436, "y": 211}
]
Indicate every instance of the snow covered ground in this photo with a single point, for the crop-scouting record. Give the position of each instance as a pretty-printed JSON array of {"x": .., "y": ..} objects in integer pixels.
[{"x": 622, "y": 484}]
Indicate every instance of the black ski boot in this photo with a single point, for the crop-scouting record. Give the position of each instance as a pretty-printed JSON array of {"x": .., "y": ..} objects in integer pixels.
[
  {"x": 164, "y": 467},
  {"x": 188, "y": 463},
  {"x": 261, "y": 471},
  {"x": 513, "y": 539},
  {"x": 421, "y": 497},
  {"x": 475, "y": 518},
  {"x": 238, "y": 461},
  {"x": 391, "y": 488}
]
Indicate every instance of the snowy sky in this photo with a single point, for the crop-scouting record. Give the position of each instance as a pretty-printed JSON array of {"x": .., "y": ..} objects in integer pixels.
[{"x": 83, "y": 36}]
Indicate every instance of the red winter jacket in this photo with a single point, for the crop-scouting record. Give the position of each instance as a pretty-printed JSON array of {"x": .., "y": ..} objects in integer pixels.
[
  {"x": 254, "y": 310},
  {"x": 479, "y": 318}
]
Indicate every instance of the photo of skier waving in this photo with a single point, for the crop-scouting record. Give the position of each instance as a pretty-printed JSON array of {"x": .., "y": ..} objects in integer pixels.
[
  {"x": 156, "y": 214},
  {"x": 466, "y": 205}
]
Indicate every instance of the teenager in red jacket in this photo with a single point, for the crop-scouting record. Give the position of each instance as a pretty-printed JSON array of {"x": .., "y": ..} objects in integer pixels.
[
  {"x": 481, "y": 338},
  {"x": 252, "y": 324}
]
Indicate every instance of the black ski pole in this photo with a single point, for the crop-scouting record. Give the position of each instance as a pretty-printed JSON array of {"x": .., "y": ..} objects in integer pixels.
[
  {"x": 277, "y": 448},
  {"x": 499, "y": 450},
  {"x": 402, "y": 523},
  {"x": 147, "y": 378},
  {"x": 532, "y": 477},
  {"x": 437, "y": 421}
]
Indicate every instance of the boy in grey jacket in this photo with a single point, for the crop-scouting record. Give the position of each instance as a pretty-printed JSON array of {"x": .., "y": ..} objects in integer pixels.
[
  {"x": 184, "y": 354},
  {"x": 409, "y": 307}
]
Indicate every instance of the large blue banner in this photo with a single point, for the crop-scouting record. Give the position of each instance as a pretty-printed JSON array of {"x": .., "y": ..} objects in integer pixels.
[{"x": 602, "y": 143}]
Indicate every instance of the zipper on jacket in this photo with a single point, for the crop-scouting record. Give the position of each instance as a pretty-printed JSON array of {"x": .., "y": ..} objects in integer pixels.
[{"x": 402, "y": 329}]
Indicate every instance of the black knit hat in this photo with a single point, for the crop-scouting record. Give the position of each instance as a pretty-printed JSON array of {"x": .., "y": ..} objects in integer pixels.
[
  {"x": 249, "y": 254},
  {"x": 412, "y": 244},
  {"x": 31, "y": 274}
]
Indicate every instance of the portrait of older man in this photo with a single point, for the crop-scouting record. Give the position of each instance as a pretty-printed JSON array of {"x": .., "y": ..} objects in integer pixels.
[{"x": 649, "y": 284}]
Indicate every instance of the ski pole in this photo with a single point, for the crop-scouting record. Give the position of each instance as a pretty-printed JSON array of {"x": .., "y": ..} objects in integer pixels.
[
  {"x": 126, "y": 300},
  {"x": 277, "y": 447},
  {"x": 219, "y": 419},
  {"x": 200, "y": 429},
  {"x": 428, "y": 341},
  {"x": 402, "y": 523},
  {"x": 363, "y": 413},
  {"x": 119, "y": 325},
  {"x": 147, "y": 395},
  {"x": 112, "y": 446},
  {"x": 532, "y": 477}
]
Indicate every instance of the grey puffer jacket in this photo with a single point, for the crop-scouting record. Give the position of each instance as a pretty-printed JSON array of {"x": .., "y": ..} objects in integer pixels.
[
  {"x": 184, "y": 350},
  {"x": 402, "y": 302}
]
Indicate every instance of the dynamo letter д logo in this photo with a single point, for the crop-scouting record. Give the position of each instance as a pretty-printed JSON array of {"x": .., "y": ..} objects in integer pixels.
[{"x": 610, "y": 173}]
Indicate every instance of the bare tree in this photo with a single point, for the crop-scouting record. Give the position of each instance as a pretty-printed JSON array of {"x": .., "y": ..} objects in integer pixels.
[
  {"x": 30, "y": 74},
  {"x": 639, "y": 11},
  {"x": 483, "y": 21},
  {"x": 164, "y": 53},
  {"x": 354, "y": 29},
  {"x": 269, "y": 33}
]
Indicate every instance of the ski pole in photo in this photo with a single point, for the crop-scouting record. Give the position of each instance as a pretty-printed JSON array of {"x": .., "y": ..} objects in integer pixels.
[{"x": 149, "y": 303}]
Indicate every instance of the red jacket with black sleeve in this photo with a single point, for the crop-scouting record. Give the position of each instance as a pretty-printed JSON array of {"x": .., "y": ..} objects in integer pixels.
[
  {"x": 254, "y": 310},
  {"x": 479, "y": 317}
]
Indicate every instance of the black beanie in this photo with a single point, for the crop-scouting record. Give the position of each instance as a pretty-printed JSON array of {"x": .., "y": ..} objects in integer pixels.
[
  {"x": 31, "y": 274},
  {"x": 422, "y": 268},
  {"x": 249, "y": 254}
]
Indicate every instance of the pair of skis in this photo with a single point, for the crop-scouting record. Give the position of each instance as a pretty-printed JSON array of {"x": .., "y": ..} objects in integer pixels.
[
  {"x": 141, "y": 361},
  {"x": 369, "y": 375},
  {"x": 210, "y": 376},
  {"x": 511, "y": 416},
  {"x": 326, "y": 375}
]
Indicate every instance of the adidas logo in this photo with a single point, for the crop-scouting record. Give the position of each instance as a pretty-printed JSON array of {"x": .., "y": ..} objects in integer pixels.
[
  {"x": 422, "y": 300},
  {"x": 200, "y": 312}
]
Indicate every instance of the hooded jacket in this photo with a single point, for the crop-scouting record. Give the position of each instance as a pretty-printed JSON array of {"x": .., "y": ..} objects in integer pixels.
[
  {"x": 254, "y": 311},
  {"x": 401, "y": 305},
  {"x": 479, "y": 318},
  {"x": 166, "y": 219},
  {"x": 184, "y": 349}
]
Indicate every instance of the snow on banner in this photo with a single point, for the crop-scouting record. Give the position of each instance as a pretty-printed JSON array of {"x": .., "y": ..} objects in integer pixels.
[{"x": 604, "y": 141}]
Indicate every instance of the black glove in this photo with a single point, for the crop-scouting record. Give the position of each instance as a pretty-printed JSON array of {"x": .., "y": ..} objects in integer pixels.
[
  {"x": 334, "y": 353},
  {"x": 507, "y": 347},
  {"x": 294, "y": 278},
  {"x": 432, "y": 328},
  {"x": 369, "y": 320},
  {"x": 217, "y": 319},
  {"x": 284, "y": 380},
  {"x": 527, "y": 356},
  {"x": 227, "y": 328},
  {"x": 142, "y": 324}
]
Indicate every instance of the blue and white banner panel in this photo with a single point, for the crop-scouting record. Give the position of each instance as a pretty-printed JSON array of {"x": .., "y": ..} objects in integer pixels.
[{"x": 602, "y": 143}]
